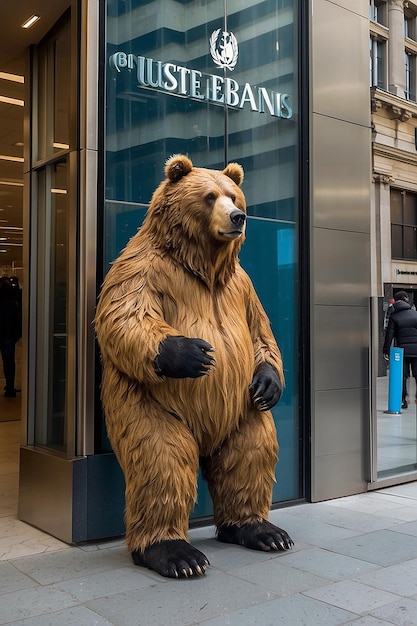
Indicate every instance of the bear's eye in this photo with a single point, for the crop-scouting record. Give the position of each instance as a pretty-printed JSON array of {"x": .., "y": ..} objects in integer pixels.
[
  {"x": 210, "y": 197},
  {"x": 233, "y": 199}
]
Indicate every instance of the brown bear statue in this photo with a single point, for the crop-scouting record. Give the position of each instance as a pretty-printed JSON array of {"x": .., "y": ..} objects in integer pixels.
[{"x": 190, "y": 372}]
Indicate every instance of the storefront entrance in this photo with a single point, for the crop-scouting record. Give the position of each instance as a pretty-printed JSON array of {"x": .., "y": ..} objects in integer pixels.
[
  {"x": 219, "y": 83},
  {"x": 393, "y": 436}
]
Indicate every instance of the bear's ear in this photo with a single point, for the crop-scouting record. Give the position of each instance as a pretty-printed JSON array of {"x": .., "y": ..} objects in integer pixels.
[
  {"x": 235, "y": 172},
  {"x": 177, "y": 166}
]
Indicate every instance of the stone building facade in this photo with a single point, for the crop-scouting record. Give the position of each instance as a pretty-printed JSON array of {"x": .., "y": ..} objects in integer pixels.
[{"x": 393, "y": 54}]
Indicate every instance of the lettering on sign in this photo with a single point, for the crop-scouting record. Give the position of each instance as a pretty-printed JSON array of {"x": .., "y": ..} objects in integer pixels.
[
  {"x": 406, "y": 272},
  {"x": 183, "y": 82}
]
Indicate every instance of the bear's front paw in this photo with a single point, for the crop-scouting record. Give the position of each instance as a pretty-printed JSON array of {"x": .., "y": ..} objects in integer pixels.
[
  {"x": 266, "y": 387},
  {"x": 174, "y": 558},
  {"x": 182, "y": 357},
  {"x": 260, "y": 535}
]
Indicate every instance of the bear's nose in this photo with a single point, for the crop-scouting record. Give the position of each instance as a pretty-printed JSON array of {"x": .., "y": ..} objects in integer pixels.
[{"x": 237, "y": 218}]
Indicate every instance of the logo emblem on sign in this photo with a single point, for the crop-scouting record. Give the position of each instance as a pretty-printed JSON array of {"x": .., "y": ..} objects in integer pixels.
[{"x": 224, "y": 49}]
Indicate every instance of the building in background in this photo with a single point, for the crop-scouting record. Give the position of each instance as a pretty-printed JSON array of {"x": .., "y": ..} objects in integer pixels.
[
  {"x": 393, "y": 80},
  {"x": 112, "y": 89}
]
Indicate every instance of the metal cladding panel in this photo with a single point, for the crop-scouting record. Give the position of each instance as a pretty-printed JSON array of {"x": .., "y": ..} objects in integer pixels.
[
  {"x": 340, "y": 359},
  {"x": 46, "y": 492},
  {"x": 338, "y": 475},
  {"x": 340, "y": 246},
  {"x": 340, "y": 45},
  {"x": 341, "y": 443},
  {"x": 339, "y": 431},
  {"x": 341, "y": 268},
  {"x": 341, "y": 162}
]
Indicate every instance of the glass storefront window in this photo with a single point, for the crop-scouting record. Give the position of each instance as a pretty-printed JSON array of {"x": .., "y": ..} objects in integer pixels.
[
  {"x": 54, "y": 215},
  {"x": 62, "y": 86},
  {"x": 218, "y": 82},
  {"x": 52, "y": 336},
  {"x": 54, "y": 91}
]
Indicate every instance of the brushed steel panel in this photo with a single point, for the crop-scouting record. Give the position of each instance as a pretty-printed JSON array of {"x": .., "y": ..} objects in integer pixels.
[
  {"x": 341, "y": 173},
  {"x": 46, "y": 492},
  {"x": 89, "y": 75},
  {"x": 341, "y": 267},
  {"x": 340, "y": 427},
  {"x": 87, "y": 301},
  {"x": 341, "y": 347},
  {"x": 340, "y": 63},
  {"x": 338, "y": 475}
]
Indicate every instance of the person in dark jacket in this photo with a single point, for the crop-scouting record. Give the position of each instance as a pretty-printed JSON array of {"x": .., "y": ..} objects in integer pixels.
[
  {"x": 10, "y": 332},
  {"x": 402, "y": 328}
]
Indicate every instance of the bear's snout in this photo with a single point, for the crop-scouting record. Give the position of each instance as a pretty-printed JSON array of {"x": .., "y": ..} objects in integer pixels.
[
  {"x": 227, "y": 221},
  {"x": 237, "y": 218}
]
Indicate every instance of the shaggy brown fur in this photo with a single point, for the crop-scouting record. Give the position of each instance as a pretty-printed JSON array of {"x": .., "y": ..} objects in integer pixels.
[{"x": 180, "y": 275}]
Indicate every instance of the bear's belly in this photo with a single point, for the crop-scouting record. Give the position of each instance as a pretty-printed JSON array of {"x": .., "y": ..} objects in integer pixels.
[{"x": 212, "y": 405}]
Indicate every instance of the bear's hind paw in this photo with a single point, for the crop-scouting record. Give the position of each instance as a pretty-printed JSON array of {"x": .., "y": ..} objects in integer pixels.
[
  {"x": 260, "y": 535},
  {"x": 173, "y": 558}
]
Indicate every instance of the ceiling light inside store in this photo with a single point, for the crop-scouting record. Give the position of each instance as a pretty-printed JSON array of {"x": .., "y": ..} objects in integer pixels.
[
  {"x": 7, "y": 100},
  {"x": 15, "y": 159},
  {"x": 12, "y": 183},
  {"x": 63, "y": 146},
  {"x": 31, "y": 21},
  {"x": 15, "y": 78}
]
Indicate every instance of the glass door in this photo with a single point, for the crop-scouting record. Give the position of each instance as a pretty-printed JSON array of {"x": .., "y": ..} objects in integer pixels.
[
  {"x": 52, "y": 307},
  {"x": 52, "y": 362},
  {"x": 393, "y": 433}
]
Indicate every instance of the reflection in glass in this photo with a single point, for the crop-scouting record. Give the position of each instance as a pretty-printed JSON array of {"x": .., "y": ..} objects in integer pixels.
[
  {"x": 51, "y": 388},
  {"x": 396, "y": 434},
  {"x": 62, "y": 84},
  {"x": 54, "y": 93},
  {"x": 271, "y": 244}
]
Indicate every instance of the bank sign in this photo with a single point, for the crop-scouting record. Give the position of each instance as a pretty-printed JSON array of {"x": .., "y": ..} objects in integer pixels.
[{"x": 183, "y": 82}]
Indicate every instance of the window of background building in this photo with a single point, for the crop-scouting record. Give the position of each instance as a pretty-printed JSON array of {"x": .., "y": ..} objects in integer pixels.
[
  {"x": 403, "y": 225},
  {"x": 378, "y": 11},
  {"x": 410, "y": 76},
  {"x": 410, "y": 33},
  {"x": 410, "y": 24},
  {"x": 378, "y": 51}
]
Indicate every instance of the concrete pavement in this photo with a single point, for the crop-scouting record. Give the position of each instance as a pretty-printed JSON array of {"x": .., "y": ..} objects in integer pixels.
[{"x": 354, "y": 562}]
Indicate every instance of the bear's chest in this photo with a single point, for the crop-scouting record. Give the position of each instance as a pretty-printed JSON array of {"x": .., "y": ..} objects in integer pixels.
[{"x": 219, "y": 317}]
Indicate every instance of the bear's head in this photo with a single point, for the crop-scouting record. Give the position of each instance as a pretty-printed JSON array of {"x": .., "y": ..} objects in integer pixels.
[
  {"x": 198, "y": 216},
  {"x": 213, "y": 197}
]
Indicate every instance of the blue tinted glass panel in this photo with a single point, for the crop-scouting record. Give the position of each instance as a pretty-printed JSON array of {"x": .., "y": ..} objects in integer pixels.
[
  {"x": 269, "y": 255},
  {"x": 217, "y": 81}
]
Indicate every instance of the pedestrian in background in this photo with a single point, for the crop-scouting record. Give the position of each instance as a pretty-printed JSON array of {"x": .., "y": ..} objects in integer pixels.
[
  {"x": 402, "y": 328},
  {"x": 10, "y": 333}
]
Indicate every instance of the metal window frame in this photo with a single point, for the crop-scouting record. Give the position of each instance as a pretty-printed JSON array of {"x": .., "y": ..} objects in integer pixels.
[{"x": 82, "y": 196}]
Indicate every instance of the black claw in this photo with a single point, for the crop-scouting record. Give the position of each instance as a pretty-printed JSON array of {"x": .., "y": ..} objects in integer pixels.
[
  {"x": 257, "y": 535},
  {"x": 173, "y": 558}
]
